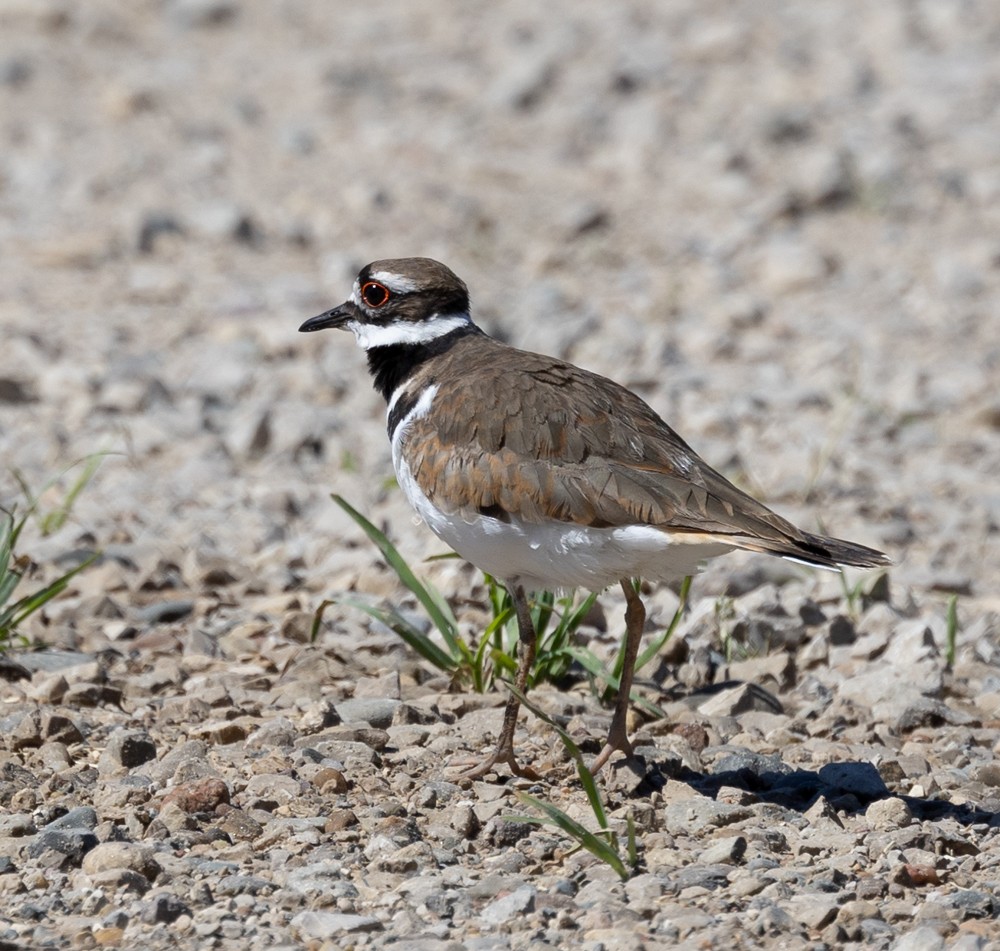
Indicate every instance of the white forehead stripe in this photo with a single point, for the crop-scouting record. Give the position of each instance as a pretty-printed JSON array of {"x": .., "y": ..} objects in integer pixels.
[
  {"x": 395, "y": 282},
  {"x": 406, "y": 331}
]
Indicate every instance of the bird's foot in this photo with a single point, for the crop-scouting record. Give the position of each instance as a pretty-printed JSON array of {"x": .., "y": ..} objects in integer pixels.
[
  {"x": 618, "y": 741},
  {"x": 500, "y": 756}
]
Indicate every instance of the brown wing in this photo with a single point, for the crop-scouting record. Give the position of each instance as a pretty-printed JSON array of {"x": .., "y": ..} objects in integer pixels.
[{"x": 541, "y": 439}]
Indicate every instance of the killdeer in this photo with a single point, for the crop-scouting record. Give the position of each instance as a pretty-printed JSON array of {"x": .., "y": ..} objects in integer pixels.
[{"x": 542, "y": 474}]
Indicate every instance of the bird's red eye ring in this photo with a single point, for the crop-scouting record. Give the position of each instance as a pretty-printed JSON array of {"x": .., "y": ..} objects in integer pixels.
[{"x": 374, "y": 294}]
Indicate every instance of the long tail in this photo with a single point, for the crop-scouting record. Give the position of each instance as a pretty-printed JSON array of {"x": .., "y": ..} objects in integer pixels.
[{"x": 820, "y": 551}]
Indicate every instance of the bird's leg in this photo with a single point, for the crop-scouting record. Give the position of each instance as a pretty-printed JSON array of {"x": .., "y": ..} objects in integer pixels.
[
  {"x": 635, "y": 621},
  {"x": 527, "y": 639}
]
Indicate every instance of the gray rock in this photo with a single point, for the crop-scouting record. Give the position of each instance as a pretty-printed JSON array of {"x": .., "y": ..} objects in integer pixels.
[
  {"x": 740, "y": 699},
  {"x": 126, "y": 749},
  {"x": 821, "y": 813},
  {"x": 318, "y": 880},
  {"x": 47, "y": 687},
  {"x": 325, "y": 925},
  {"x": 202, "y": 13},
  {"x": 383, "y": 686},
  {"x": 699, "y": 815},
  {"x": 813, "y": 911},
  {"x": 124, "y": 879},
  {"x": 375, "y": 711},
  {"x": 885, "y": 814},
  {"x": 725, "y": 851},
  {"x": 911, "y": 643},
  {"x": 788, "y": 266},
  {"x": 702, "y": 876},
  {"x": 920, "y": 939},
  {"x": 23, "y": 731},
  {"x": 761, "y": 765},
  {"x": 133, "y": 856},
  {"x": 164, "y": 908},
  {"x": 928, "y": 711},
  {"x": 80, "y": 817},
  {"x": 519, "y": 902},
  {"x": 243, "y": 885},
  {"x": 55, "y": 755},
  {"x": 61, "y": 848},
  {"x": 165, "y": 612},
  {"x": 860, "y": 779},
  {"x": 188, "y": 762},
  {"x": 841, "y": 631},
  {"x": 61, "y": 660},
  {"x": 280, "y": 732},
  {"x": 464, "y": 820},
  {"x": 350, "y": 753},
  {"x": 223, "y": 220},
  {"x": 969, "y": 942},
  {"x": 505, "y": 832},
  {"x": 16, "y": 825},
  {"x": 971, "y": 903},
  {"x": 273, "y": 787}
]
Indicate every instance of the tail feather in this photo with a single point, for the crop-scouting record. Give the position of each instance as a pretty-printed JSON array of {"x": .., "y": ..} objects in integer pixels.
[{"x": 820, "y": 551}]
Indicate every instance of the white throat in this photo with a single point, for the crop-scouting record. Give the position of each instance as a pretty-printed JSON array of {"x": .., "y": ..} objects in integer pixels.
[{"x": 406, "y": 331}]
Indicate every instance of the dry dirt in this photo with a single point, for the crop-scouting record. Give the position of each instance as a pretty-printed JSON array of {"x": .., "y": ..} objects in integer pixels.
[{"x": 780, "y": 224}]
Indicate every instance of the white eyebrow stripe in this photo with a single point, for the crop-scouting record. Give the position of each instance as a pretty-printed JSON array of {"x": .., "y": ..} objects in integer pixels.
[{"x": 395, "y": 282}]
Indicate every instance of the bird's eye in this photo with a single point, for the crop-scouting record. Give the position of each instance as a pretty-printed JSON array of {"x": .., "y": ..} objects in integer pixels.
[{"x": 374, "y": 294}]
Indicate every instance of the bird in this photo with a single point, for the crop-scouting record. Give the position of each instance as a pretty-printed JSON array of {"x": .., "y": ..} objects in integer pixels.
[{"x": 545, "y": 475}]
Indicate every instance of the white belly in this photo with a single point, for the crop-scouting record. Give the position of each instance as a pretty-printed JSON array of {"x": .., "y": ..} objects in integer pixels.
[
  {"x": 552, "y": 555},
  {"x": 557, "y": 555}
]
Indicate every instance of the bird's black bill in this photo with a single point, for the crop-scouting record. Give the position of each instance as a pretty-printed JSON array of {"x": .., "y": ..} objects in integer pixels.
[{"x": 337, "y": 317}]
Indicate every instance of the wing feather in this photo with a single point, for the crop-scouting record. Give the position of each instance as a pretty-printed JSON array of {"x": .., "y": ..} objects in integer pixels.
[{"x": 544, "y": 440}]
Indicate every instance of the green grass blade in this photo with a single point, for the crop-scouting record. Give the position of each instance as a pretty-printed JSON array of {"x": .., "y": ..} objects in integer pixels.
[
  {"x": 49, "y": 522},
  {"x": 11, "y": 532},
  {"x": 951, "y": 631},
  {"x": 504, "y": 662},
  {"x": 54, "y": 520},
  {"x": 497, "y": 593},
  {"x": 576, "y": 616},
  {"x": 499, "y": 620},
  {"x": 632, "y": 846},
  {"x": 589, "y": 662},
  {"x": 586, "y": 776},
  {"x": 492, "y": 643},
  {"x": 478, "y": 667},
  {"x": 410, "y": 634},
  {"x": 541, "y": 613},
  {"x": 552, "y": 815},
  {"x": 438, "y": 611},
  {"x": 10, "y": 578},
  {"x": 553, "y": 660},
  {"x": 28, "y": 605},
  {"x": 318, "y": 620},
  {"x": 653, "y": 649}
]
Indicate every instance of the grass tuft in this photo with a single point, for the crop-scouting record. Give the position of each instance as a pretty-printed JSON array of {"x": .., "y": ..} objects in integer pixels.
[
  {"x": 480, "y": 661},
  {"x": 15, "y": 567},
  {"x": 604, "y": 844}
]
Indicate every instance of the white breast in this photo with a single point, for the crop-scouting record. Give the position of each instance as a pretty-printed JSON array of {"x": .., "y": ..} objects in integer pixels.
[{"x": 550, "y": 555}]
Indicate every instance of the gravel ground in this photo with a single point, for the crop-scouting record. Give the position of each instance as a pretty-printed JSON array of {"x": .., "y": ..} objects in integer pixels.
[{"x": 780, "y": 226}]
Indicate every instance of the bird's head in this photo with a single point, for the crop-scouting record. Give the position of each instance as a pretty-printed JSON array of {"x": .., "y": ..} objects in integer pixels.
[{"x": 399, "y": 301}]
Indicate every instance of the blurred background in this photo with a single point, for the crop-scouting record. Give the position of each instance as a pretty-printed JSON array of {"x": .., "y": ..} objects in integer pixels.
[{"x": 780, "y": 224}]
